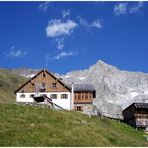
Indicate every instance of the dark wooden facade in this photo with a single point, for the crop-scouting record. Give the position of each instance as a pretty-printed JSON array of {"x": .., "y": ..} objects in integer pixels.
[
  {"x": 82, "y": 98},
  {"x": 136, "y": 115}
]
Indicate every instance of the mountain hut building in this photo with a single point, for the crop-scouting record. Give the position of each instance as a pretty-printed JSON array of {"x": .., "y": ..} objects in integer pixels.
[
  {"x": 46, "y": 88},
  {"x": 136, "y": 115}
]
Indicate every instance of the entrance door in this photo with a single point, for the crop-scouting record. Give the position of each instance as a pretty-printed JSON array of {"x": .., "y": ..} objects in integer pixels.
[{"x": 79, "y": 108}]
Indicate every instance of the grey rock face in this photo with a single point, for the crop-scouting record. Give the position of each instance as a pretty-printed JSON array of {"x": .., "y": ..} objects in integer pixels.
[
  {"x": 25, "y": 72},
  {"x": 115, "y": 89}
]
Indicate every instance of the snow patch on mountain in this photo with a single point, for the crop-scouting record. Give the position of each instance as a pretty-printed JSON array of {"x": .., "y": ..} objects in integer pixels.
[
  {"x": 134, "y": 94},
  {"x": 67, "y": 76},
  {"x": 29, "y": 76},
  {"x": 82, "y": 78}
]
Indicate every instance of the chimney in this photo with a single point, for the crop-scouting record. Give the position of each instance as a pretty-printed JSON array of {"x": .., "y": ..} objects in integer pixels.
[{"x": 72, "y": 97}]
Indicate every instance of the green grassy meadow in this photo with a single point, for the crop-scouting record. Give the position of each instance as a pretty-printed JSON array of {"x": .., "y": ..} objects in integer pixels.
[
  {"x": 36, "y": 126},
  {"x": 9, "y": 82}
]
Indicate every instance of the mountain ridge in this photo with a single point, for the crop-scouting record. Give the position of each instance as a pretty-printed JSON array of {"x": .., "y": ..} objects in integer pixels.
[{"x": 9, "y": 82}]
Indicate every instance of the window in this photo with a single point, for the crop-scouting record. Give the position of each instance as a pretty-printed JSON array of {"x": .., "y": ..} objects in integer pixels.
[
  {"x": 79, "y": 108},
  {"x": 86, "y": 96},
  {"x": 31, "y": 95},
  {"x": 79, "y": 96},
  {"x": 32, "y": 84},
  {"x": 54, "y": 85},
  {"x": 90, "y": 96},
  {"x": 75, "y": 96},
  {"x": 42, "y": 87},
  {"x": 64, "y": 96},
  {"x": 43, "y": 84},
  {"x": 94, "y": 94},
  {"x": 44, "y": 75},
  {"x": 53, "y": 96},
  {"x": 82, "y": 95},
  {"x": 45, "y": 95},
  {"x": 22, "y": 96}
]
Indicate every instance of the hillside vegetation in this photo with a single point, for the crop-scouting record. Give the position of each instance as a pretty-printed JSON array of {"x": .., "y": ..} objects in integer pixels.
[
  {"x": 9, "y": 82},
  {"x": 36, "y": 126}
]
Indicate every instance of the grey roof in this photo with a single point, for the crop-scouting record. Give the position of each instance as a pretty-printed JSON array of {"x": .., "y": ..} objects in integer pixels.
[
  {"x": 141, "y": 105},
  {"x": 83, "y": 87},
  {"x": 138, "y": 105}
]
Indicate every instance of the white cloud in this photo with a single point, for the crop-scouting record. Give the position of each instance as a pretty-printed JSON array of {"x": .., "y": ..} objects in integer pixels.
[
  {"x": 44, "y": 6},
  {"x": 125, "y": 8},
  {"x": 66, "y": 13},
  {"x": 136, "y": 7},
  {"x": 120, "y": 9},
  {"x": 60, "y": 43},
  {"x": 96, "y": 23},
  {"x": 15, "y": 53},
  {"x": 65, "y": 54},
  {"x": 57, "y": 28}
]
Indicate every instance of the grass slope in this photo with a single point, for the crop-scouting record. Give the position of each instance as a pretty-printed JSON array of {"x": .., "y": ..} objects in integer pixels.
[
  {"x": 9, "y": 82},
  {"x": 36, "y": 126}
]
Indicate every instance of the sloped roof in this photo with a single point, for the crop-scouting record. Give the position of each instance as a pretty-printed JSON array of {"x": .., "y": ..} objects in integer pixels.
[
  {"x": 141, "y": 105},
  {"x": 138, "y": 105},
  {"x": 37, "y": 75},
  {"x": 83, "y": 87}
]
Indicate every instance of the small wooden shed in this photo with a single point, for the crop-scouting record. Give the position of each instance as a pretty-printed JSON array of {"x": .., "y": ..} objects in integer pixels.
[{"x": 136, "y": 115}]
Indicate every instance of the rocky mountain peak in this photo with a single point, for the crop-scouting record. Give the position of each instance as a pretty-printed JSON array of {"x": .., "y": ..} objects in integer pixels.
[{"x": 100, "y": 62}]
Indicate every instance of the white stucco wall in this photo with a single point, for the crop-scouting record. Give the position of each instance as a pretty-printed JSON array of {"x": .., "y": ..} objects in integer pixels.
[{"x": 64, "y": 103}]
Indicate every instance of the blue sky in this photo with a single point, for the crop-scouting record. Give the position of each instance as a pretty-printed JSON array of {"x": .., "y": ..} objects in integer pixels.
[{"x": 66, "y": 36}]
